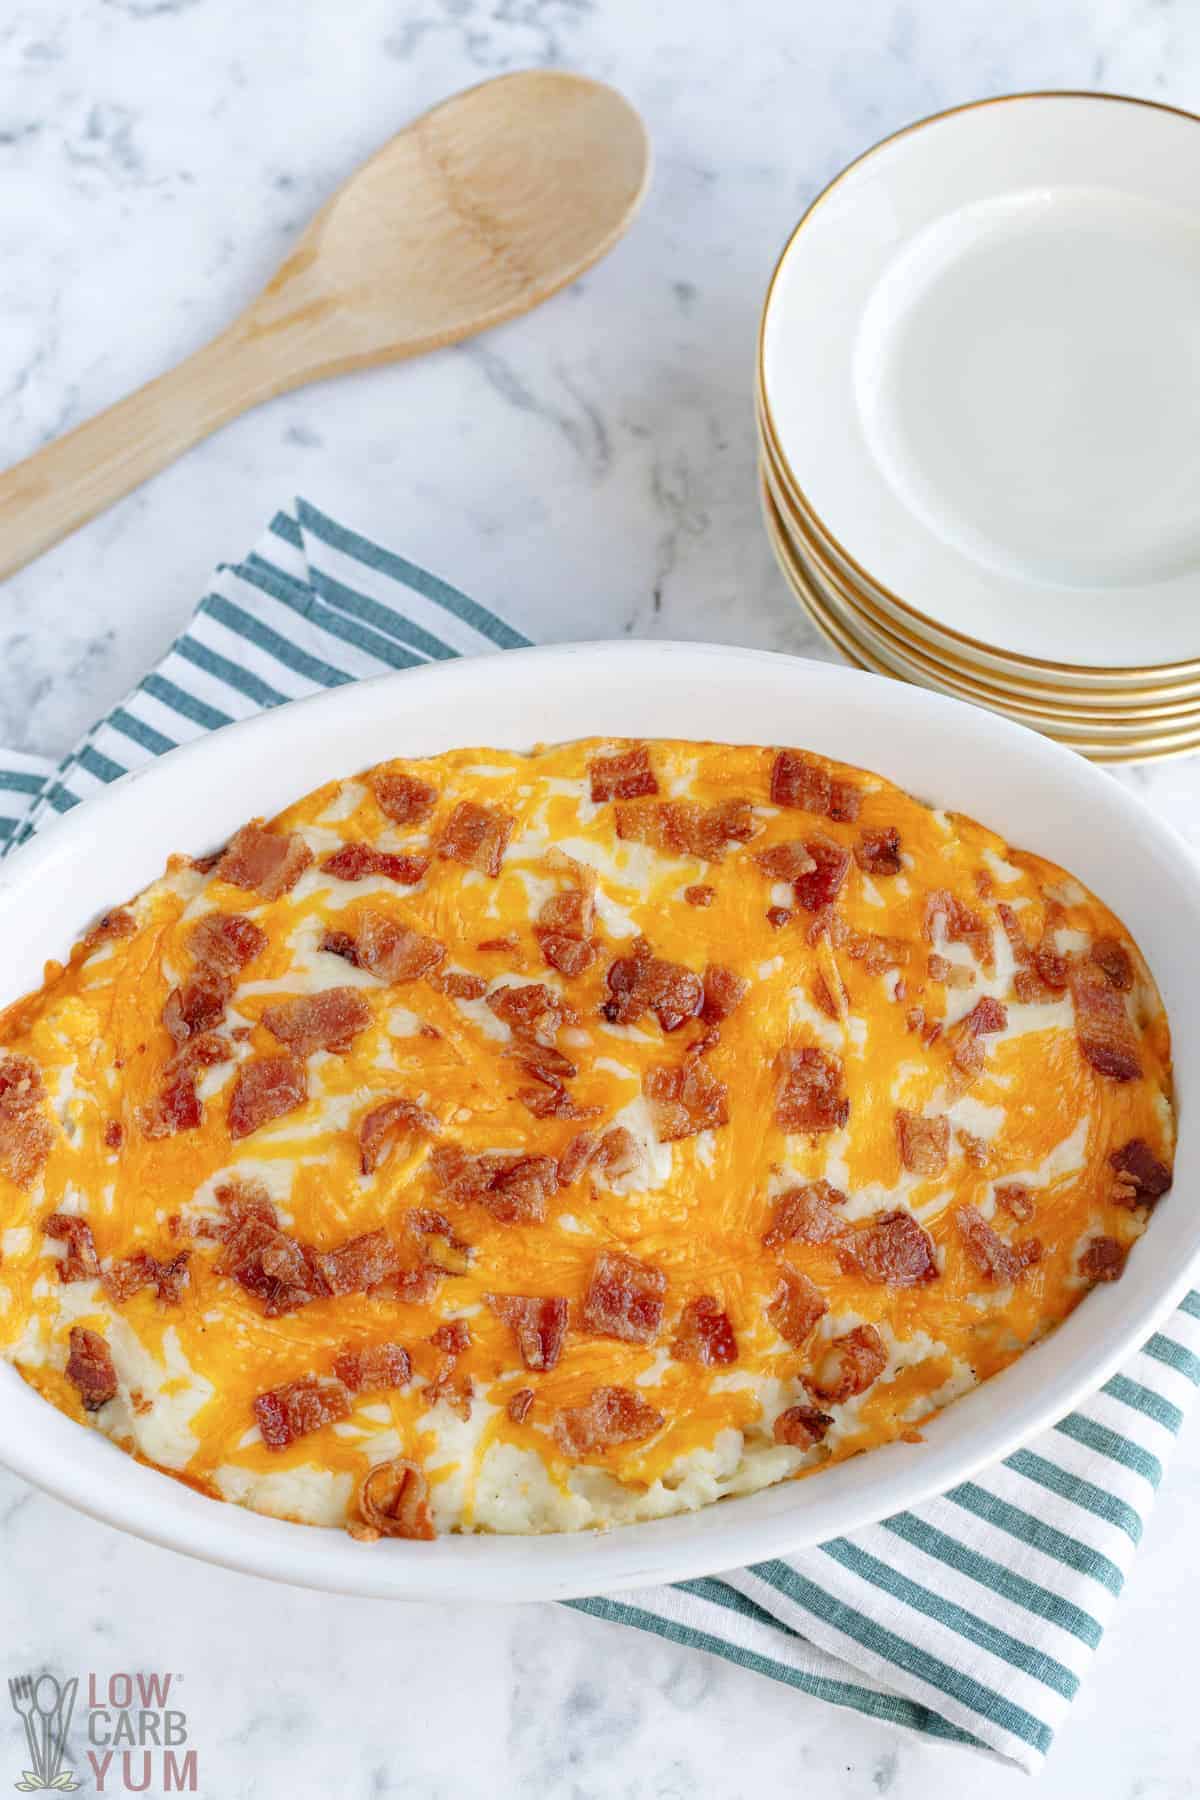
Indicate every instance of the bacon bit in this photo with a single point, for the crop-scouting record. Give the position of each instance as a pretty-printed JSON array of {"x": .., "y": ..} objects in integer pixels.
[
  {"x": 807, "y": 1213},
  {"x": 26, "y": 1135},
  {"x": 685, "y": 1101},
  {"x": 960, "y": 924},
  {"x": 778, "y": 917},
  {"x": 519, "y": 1405},
  {"x": 413, "y": 1286},
  {"x": 119, "y": 923},
  {"x": 849, "y": 1365},
  {"x": 801, "y": 1427},
  {"x": 269, "y": 1264},
  {"x": 610, "y": 1416},
  {"x": 477, "y": 836},
  {"x": 497, "y": 944},
  {"x": 539, "y": 1326},
  {"x": 1015, "y": 1199},
  {"x": 821, "y": 886},
  {"x": 263, "y": 860},
  {"x": 294, "y": 1409},
  {"x": 564, "y": 931},
  {"x": 340, "y": 943},
  {"x": 176, "y": 1108},
  {"x": 992, "y": 1255},
  {"x": 381, "y": 1129},
  {"x": 798, "y": 780},
  {"x": 404, "y": 798},
  {"x": 878, "y": 851},
  {"x": 705, "y": 1334},
  {"x": 354, "y": 862},
  {"x": 329, "y": 1020},
  {"x": 985, "y": 887},
  {"x": 700, "y": 894},
  {"x": 1141, "y": 1177},
  {"x": 985, "y": 1017},
  {"x": 1114, "y": 963},
  {"x": 459, "y": 984},
  {"x": 845, "y": 801},
  {"x": 553, "y": 1101},
  {"x": 975, "y": 1149},
  {"x": 625, "y": 776},
  {"x": 892, "y": 1251},
  {"x": 90, "y": 1368},
  {"x": 1103, "y": 1260},
  {"x": 685, "y": 828},
  {"x": 807, "y": 1096},
  {"x": 624, "y": 1298},
  {"x": 358, "y": 1265},
  {"x": 1102, "y": 1025},
  {"x": 513, "y": 1188},
  {"x": 441, "y": 1248},
  {"x": 394, "y": 951},
  {"x": 797, "y": 1306},
  {"x": 615, "y": 1154},
  {"x": 1039, "y": 967},
  {"x": 81, "y": 1262},
  {"x": 265, "y": 1089},
  {"x": 785, "y": 862},
  {"x": 394, "y": 1501},
  {"x": 114, "y": 1134},
  {"x": 533, "y": 1013},
  {"x": 950, "y": 974},
  {"x": 226, "y": 942},
  {"x": 239, "y": 1201},
  {"x": 924, "y": 1142},
  {"x": 454, "y": 1337},
  {"x": 198, "y": 1006},
  {"x": 723, "y": 993},
  {"x": 643, "y": 982},
  {"x": 132, "y": 1273}
]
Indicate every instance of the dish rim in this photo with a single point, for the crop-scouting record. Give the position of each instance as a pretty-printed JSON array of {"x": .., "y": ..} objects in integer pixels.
[{"x": 602, "y": 689}]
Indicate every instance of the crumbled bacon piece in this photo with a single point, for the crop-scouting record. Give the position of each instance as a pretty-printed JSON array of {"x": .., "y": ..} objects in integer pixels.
[
  {"x": 1015, "y": 1199},
  {"x": 616, "y": 1153},
  {"x": 785, "y": 862},
  {"x": 198, "y": 1006},
  {"x": 610, "y": 1416},
  {"x": 329, "y": 1020},
  {"x": 808, "y": 1096},
  {"x": 265, "y": 1089},
  {"x": 264, "y": 860},
  {"x": 723, "y": 993},
  {"x": 848, "y": 1365},
  {"x": 807, "y": 1213},
  {"x": 552, "y": 1101},
  {"x": 1114, "y": 962},
  {"x": 405, "y": 799},
  {"x": 90, "y": 1368},
  {"x": 823, "y": 883},
  {"x": 845, "y": 801},
  {"x": 800, "y": 1427},
  {"x": 685, "y": 1101},
  {"x": 21, "y": 1086},
  {"x": 269, "y": 1264},
  {"x": 454, "y": 1337},
  {"x": 226, "y": 941},
  {"x": 960, "y": 925},
  {"x": 477, "y": 836},
  {"x": 1141, "y": 1177},
  {"x": 992, "y": 1255},
  {"x": 394, "y": 951},
  {"x": 440, "y": 1245},
  {"x": 297, "y": 1407},
  {"x": 1104, "y": 1260},
  {"x": 373, "y": 1366},
  {"x": 114, "y": 1134},
  {"x": 1102, "y": 1024},
  {"x": 625, "y": 776},
  {"x": 539, "y": 1326},
  {"x": 26, "y": 1134},
  {"x": 341, "y": 943},
  {"x": 796, "y": 1307},
  {"x": 704, "y": 1334},
  {"x": 1039, "y": 966},
  {"x": 355, "y": 862},
  {"x": 459, "y": 984},
  {"x": 81, "y": 1262},
  {"x": 381, "y": 1129},
  {"x": 510, "y": 941},
  {"x": 892, "y": 1251},
  {"x": 132, "y": 1273},
  {"x": 519, "y": 1405},
  {"x": 799, "y": 780},
  {"x": 975, "y": 1149},
  {"x": 564, "y": 930},
  {"x": 533, "y": 1012},
  {"x": 878, "y": 851},
  {"x": 513, "y": 1188},
  {"x": 924, "y": 1142},
  {"x": 175, "y": 1108},
  {"x": 394, "y": 1501},
  {"x": 685, "y": 828},
  {"x": 987, "y": 1016},
  {"x": 700, "y": 894},
  {"x": 117, "y": 923},
  {"x": 358, "y": 1265},
  {"x": 643, "y": 982},
  {"x": 778, "y": 917},
  {"x": 950, "y": 974},
  {"x": 624, "y": 1298}
]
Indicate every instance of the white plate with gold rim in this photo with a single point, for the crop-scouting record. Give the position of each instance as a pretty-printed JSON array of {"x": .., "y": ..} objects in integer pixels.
[{"x": 980, "y": 360}]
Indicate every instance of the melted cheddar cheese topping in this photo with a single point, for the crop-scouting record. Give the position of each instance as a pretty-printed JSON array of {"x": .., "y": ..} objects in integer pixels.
[{"x": 858, "y": 931}]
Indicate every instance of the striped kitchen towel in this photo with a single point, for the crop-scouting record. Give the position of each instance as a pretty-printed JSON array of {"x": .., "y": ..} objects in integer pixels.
[{"x": 970, "y": 1619}]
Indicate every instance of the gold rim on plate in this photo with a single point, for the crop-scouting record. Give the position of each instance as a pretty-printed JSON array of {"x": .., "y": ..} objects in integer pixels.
[{"x": 1188, "y": 667}]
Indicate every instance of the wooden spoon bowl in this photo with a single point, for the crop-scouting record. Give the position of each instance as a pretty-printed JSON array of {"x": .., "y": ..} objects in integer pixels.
[{"x": 476, "y": 212}]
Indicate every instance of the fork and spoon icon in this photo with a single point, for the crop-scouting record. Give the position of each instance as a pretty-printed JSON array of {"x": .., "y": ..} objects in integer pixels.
[{"x": 45, "y": 1709}]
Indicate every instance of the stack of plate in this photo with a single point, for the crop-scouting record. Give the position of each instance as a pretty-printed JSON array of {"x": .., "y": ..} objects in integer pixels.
[{"x": 979, "y": 415}]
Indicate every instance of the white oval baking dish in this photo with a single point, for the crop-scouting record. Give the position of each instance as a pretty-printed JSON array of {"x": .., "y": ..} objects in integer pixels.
[{"x": 1037, "y": 794}]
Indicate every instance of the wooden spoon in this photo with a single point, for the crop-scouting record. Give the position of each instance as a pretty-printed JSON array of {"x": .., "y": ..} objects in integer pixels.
[{"x": 475, "y": 213}]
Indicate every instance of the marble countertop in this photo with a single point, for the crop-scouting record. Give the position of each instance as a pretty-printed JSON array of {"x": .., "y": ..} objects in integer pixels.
[{"x": 588, "y": 471}]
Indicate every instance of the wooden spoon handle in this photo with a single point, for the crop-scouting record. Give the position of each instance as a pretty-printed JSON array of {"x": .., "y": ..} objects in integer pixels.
[{"x": 65, "y": 484}]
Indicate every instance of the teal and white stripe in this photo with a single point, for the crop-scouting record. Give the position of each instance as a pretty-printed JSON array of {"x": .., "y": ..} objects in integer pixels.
[{"x": 971, "y": 1619}]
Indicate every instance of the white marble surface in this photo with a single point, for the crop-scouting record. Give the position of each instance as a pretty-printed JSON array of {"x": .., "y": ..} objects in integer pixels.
[{"x": 588, "y": 471}]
